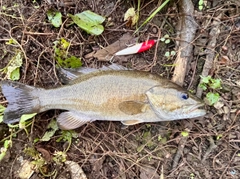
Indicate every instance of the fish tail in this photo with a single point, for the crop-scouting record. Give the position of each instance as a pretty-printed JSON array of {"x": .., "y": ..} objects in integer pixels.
[{"x": 22, "y": 99}]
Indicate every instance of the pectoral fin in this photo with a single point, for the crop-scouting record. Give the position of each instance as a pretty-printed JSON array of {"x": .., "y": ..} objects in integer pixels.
[
  {"x": 131, "y": 122},
  {"x": 72, "y": 120},
  {"x": 132, "y": 107}
]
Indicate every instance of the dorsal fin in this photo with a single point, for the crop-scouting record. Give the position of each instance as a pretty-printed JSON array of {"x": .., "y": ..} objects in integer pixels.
[{"x": 66, "y": 74}]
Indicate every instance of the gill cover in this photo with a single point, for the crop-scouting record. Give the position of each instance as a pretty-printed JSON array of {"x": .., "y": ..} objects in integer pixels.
[{"x": 167, "y": 103}]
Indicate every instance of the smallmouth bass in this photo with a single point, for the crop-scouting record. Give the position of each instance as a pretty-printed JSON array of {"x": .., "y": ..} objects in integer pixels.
[{"x": 128, "y": 96}]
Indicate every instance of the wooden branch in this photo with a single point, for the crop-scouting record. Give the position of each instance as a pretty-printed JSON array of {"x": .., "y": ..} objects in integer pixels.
[
  {"x": 210, "y": 51},
  {"x": 188, "y": 28}
]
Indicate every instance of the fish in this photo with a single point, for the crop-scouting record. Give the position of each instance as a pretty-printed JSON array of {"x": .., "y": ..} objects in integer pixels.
[{"x": 106, "y": 94}]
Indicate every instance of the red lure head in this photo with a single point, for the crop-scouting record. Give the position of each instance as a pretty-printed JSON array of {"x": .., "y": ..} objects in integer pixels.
[{"x": 146, "y": 45}]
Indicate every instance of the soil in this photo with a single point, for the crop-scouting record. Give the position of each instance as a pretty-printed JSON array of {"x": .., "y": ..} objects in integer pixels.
[{"x": 206, "y": 147}]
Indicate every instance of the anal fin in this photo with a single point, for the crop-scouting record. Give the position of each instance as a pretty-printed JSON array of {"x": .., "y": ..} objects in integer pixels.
[{"x": 72, "y": 120}]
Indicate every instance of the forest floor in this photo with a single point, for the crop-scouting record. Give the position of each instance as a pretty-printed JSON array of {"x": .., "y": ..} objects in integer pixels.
[{"x": 205, "y": 147}]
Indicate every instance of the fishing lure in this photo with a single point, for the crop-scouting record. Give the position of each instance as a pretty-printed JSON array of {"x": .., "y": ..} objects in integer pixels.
[{"x": 138, "y": 48}]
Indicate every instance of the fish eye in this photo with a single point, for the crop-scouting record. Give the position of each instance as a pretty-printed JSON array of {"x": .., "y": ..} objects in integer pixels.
[{"x": 184, "y": 96}]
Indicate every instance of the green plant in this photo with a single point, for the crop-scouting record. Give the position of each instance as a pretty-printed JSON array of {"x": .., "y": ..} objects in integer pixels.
[
  {"x": 3, "y": 150},
  {"x": 67, "y": 136},
  {"x": 219, "y": 136},
  {"x": 165, "y": 39},
  {"x": 192, "y": 176},
  {"x": 200, "y": 4},
  {"x": 213, "y": 84},
  {"x": 17, "y": 127},
  {"x": 89, "y": 22},
  {"x": 169, "y": 54},
  {"x": 185, "y": 133},
  {"x": 153, "y": 14},
  {"x": 59, "y": 157},
  {"x": 55, "y": 17},
  {"x": 2, "y": 109},
  {"x": 62, "y": 57},
  {"x": 12, "y": 70}
]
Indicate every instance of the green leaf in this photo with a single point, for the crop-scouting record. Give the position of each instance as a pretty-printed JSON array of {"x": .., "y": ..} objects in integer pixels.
[
  {"x": 2, "y": 109},
  {"x": 11, "y": 41},
  {"x": 64, "y": 44},
  {"x": 7, "y": 144},
  {"x": 173, "y": 53},
  {"x": 1, "y": 119},
  {"x": 200, "y": 2},
  {"x": 13, "y": 68},
  {"x": 25, "y": 117},
  {"x": 36, "y": 140},
  {"x": 60, "y": 157},
  {"x": 184, "y": 133},
  {"x": 212, "y": 98},
  {"x": 67, "y": 136},
  {"x": 162, "y": 39},
  {"x": 166, "y": 36},
  {"x": 219, "y": 136},
  {"x": 161, "y": 139},
  {"x": 15, "y": 75},
  {"x": 167, "y": 41},
  {"x": 73, "y": 62},
  {"x": 215, "y": 84},
  {"x": 62, "y": 57},
  {"x": 3, "y": 153},
  {"x": 89, "y": 21},
  {"x": 148, "y": 125},
  {"x": 55, "y": 18},
  {"x": 203, "y": 86},
  {"x": 205, "y": 79},
  {"x": 131, "y": 16},
  {"x": 167, "y": 54},
  {"x": 53, "y": 128}
]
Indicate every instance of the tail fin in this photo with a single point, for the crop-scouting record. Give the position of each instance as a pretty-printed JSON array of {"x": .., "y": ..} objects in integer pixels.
[{"x": 21, "y": 100}]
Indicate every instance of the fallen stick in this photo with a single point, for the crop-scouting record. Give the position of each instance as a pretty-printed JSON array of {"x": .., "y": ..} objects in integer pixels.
[
  {"x": 210, "y": 51},
  {"x": 188, "y": 28}
]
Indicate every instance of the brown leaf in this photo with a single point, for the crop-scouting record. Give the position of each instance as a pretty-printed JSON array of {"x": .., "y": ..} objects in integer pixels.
[
  {"x": 106, "y": 53},
  {"x": 149, "y": 172},
  {"x": 45, "y": 154}
]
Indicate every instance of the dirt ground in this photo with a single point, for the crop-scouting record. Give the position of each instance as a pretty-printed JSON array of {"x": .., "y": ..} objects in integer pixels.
[{"x": 211, "y": 148}]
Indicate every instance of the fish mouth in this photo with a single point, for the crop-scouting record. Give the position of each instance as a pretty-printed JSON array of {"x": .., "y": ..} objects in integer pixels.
[{"x": 198, "y": 108}]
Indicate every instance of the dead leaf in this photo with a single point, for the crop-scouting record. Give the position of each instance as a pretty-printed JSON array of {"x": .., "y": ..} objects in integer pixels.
[
  {"x": 106, "y": 53},
  {"x": 149, "y": 172},
  {"x": 224, "y": 60},
  {"x": 45, "y": 154},
  {"x": 26, "y": 170},
  {"x": 96, "y": 162},
  {"x": 75, "y": 170},
  {"x": 131, "y": 17}
]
